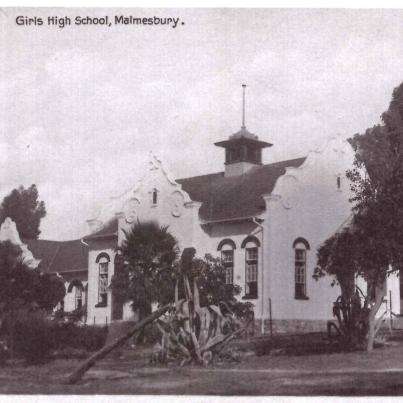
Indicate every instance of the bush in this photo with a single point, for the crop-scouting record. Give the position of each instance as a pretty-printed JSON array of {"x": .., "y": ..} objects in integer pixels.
[
  {"x": 151, "y": 334},
  {"x": 4, "y": 353},
  {"x": 33, "y": 339},
  {"x": 89, "y": 338}
]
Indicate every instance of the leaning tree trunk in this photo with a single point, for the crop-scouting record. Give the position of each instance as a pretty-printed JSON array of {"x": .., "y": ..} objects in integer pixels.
[
  {"x": 78, "y": 374},
  {"x": 379, "y": 294}
]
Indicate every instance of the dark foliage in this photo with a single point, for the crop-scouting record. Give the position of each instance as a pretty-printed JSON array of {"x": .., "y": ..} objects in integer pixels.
[
  {"x": 210, "y": 276},
  {"x": 21, "y": 286},
  {"x": 36, "y": 337},
  {"x": 24, "y": 290},
  {"x": 147, "y": 271},
  {"x": 147, "y": 257},
  {"x": 89, "y": 338},
  {"x": 33, "y": 339},
  {"x": 372, "y": 244},
  {"x": 25, "y": 209}
]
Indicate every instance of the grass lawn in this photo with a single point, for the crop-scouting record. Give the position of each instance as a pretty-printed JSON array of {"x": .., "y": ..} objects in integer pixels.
[{"x": 356, "y": 373}]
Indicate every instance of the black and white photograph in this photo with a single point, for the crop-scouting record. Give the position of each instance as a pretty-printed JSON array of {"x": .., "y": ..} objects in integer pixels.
[{"x": 201, "y": 202}]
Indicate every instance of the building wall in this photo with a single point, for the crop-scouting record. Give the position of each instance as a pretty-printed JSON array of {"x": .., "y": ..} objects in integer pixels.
[
  {"x": 237, "y": 232},
  {"x": 306, "y": 202},
  {"x": 70, "y": 299},
  {"x": 309, "y": 202},
  {"x": 99, "y": 315}
]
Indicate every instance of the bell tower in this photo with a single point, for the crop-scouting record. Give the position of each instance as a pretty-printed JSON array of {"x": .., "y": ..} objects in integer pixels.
[{"x": 243, "y": 150}]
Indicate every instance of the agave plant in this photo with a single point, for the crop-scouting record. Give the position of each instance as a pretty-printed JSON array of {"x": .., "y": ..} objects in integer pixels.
[{"x": 192, "y": 333}]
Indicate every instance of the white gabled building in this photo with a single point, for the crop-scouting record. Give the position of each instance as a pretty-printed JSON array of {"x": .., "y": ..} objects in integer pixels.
[{"x": 265, "y": 221}]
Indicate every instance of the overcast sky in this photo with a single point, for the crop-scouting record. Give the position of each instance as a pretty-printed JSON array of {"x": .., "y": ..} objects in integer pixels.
[{"x": 80, "y": 107}]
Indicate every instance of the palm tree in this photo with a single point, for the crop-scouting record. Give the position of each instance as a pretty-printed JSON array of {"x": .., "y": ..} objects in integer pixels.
[{"x": 147, "y": 255}]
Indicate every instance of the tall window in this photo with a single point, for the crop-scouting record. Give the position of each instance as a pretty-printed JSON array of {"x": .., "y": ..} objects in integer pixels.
[
  {"x": 103, "y": 268},
  {"x": 227, "y": 247},
  {"x": 78, "y": 298},
  {"x": 227, "y": 257},
  {"x": 251, "y": 245},
  {"x": 300, "y": 251},
  {"x": 251, "y": 264}
]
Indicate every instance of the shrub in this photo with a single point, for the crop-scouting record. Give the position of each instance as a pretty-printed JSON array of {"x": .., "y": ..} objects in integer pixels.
[
  {"x": 92, "y": 338},
  {"x": 4, "y": 353},
  {"x": 33, "y": 339},
  {"x": 151, "y": 334},
  {"x": 89, "y": 338}
]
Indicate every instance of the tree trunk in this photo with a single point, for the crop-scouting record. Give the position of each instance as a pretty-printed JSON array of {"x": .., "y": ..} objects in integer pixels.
[
  {"x": 144, "y": 311},
  {"x": 371, "y": 332},
  {"x": 379, "y": 294},
  {"x": 78, "y": 374}
]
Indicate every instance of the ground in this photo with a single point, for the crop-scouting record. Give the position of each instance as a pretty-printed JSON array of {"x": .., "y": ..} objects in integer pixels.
[{"x": 356, "y": 373}]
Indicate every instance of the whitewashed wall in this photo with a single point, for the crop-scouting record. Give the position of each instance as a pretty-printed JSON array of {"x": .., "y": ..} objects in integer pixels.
[{"x": 307, "y": 203}]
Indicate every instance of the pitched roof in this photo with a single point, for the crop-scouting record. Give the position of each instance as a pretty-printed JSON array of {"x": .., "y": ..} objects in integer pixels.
[
  {"x": 223, "y": 198},
  {"x": 59, "y": 256},
  {"x": 235, "y": 196}
]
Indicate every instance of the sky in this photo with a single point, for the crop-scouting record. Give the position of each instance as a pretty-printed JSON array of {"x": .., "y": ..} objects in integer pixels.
[{"x": 81, "y": 107}]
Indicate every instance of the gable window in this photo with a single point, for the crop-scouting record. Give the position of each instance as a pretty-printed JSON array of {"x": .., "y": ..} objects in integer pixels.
[
  {"x": 338, "y": 182},
  {"x": 301, "y": 246},
  {"x": 154, "y": 197},
  {"x": 227, "y": 246},
  {"x": 103, "y": 269}
]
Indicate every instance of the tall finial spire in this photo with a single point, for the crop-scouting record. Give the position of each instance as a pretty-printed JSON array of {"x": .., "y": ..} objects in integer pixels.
[{"x": 243, "y": 106}]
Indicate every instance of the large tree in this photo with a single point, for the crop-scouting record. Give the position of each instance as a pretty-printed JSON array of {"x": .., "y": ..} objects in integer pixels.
[
  {"x": 23, "y": 288},
  {"x": 25, "y": 209},
  {"x": 372, "y": 244}
]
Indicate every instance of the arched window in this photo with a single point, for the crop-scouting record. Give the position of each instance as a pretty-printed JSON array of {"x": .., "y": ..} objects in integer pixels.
[
  {"x": 103, "y": 268},
  {"x": 227, "y": 246},
  {"x": 301, "y": 246},
  {"x": 251, "y": 245}
]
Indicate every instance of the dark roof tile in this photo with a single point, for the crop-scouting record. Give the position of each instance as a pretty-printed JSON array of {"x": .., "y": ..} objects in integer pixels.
[
  {"x": 234, "y": 197},
  {"x": 59, "y": 256}
]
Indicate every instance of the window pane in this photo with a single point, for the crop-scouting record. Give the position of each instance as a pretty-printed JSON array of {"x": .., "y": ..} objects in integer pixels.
[
  {"x": 251, "y": 289},
  {"x": 300, "y": 254},
  {"x": 300, "y": 273},
  {"x": 251, "y": 272},
  {"x": 299, "y": 290},
  {"x": 251, "y": 254},
  {"x": 103, "y": 283},
  {"x": 227, "y": 256},
  {"x": 229, "y": 275},
  {"x": 103, "y": 267}
]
